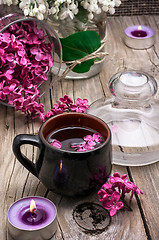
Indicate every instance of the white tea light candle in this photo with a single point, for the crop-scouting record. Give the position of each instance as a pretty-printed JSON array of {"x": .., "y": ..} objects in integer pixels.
[{"x": 139, "y": 37}]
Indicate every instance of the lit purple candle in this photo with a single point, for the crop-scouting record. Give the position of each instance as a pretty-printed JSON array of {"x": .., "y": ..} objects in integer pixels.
[
  {"x": 139, "y": 37},
  {"x": 32, "y": 218}
]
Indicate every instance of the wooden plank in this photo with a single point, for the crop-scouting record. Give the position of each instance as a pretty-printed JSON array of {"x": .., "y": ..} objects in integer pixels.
[
  {"x": 90, "y": 89},
  {"x": 6, "y": 162},
  {"x": 147, "y": 178}
]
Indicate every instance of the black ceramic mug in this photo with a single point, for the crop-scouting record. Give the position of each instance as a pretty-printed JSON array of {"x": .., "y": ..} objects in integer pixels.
[{"x": 64, "y": 171}]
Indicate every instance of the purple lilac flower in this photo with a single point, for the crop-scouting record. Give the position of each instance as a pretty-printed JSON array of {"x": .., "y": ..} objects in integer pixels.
[
  {"x": 113, "y": 204},
  {"x": 89, "y": 142},
  {"x": 25, "y": 59},
  {"x": 80, "y": 106},
  {"x": 114, "y": 190},
  {"x": 65, "y": 104}
]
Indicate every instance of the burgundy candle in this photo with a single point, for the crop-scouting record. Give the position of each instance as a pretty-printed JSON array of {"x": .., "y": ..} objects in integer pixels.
[
  {"x": 32, "y": 218},
  {"x": 139, "y": 37}
]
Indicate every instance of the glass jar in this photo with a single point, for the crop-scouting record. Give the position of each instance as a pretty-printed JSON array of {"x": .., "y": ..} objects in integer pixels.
[
  {"x": 46, "y": 38},
  {"x": 132, "y": 115},
  {"x": 68, "y": 26}
]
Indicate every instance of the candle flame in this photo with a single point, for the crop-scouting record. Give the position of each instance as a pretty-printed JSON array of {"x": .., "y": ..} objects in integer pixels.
[
  {"x": 32, "y": 206},
  {"x": 139, "y": 28},
  {"x": 61, "y": 166}
]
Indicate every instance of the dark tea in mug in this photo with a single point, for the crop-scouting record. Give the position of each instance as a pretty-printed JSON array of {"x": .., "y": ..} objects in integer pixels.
[{"x": 70, "y": 137}]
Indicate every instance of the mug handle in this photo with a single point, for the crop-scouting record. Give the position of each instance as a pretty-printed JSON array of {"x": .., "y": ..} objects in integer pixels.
[{"x": 31, "y": 139}]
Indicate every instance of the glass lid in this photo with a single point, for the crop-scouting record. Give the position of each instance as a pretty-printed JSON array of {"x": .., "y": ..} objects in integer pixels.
[{"x": 132, "y": 115}]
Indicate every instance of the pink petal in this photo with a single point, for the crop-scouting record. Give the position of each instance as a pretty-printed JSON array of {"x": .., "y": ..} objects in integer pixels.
[
  {"x": 66, "y": 99},
  {"x": 21, "y": 53},
  {"x": 107, "y": 204},
  {"x": 113, "y": 211},
  {"x": 88, "y": 137},
  {"x": 115, "y": 196},
  {"x": 34, "y": 50},
  {"x": 101, "y": 192},
  {"x": 23, "y": 61},
  {"x": 79, "y": 101},
  {"x": 32, "y": 38},
  {"x": 1, "y": 51},
  {"x": 10, "y": 57},
  {"x": 49, "y": 114},
  {"x": 119, "y": 205},
  {"x": 13, "y": 37},
  {"x": 91, "y": 143},
  {"x": 138, "y": 191},
  {"x": 96, "y": 135},
  {"x": 12, "y": 87},
  {"x": 39, "y": 56},
  {"x": 56, "y": 143},
  {"x": 124, "y": 176},
  {"x": 2, "y": 96},
  {"x": 107, "y": 185},
  {"x": 116, "y": 174},
  {"x": 81, "y": 150},
  {"x": 12, "y": 64},
  {"x": 88, "y": 147}
]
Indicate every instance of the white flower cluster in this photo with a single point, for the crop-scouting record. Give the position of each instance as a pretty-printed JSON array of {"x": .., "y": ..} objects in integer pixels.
[
  {"x": 9, "y": 2},
  {"x": 96, "y": 6},
  {"x": 61, "y": 9},
  {"x": 64, "y": 8},
  {"x": 32, "y": 8}
]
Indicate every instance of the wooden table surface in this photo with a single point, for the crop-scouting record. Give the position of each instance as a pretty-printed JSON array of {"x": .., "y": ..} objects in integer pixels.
[{"x": 16, "y": 182}]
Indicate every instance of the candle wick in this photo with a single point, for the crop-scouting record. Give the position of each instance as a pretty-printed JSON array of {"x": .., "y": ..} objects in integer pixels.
[
  {"x": 33, "y": 216},
  {"x": 139, "y": 33}
]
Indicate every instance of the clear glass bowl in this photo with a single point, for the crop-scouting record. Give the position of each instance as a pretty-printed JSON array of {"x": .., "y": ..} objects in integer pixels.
[
  {"x": 132, "y": 115},
  {"x": 12, "y": 15}
]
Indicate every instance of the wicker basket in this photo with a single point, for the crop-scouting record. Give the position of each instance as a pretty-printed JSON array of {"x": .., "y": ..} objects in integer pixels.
[{"x": 137, "y": 7}]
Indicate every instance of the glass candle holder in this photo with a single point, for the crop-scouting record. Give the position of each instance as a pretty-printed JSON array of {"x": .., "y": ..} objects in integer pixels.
[{"x": 40, "y": 48}]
